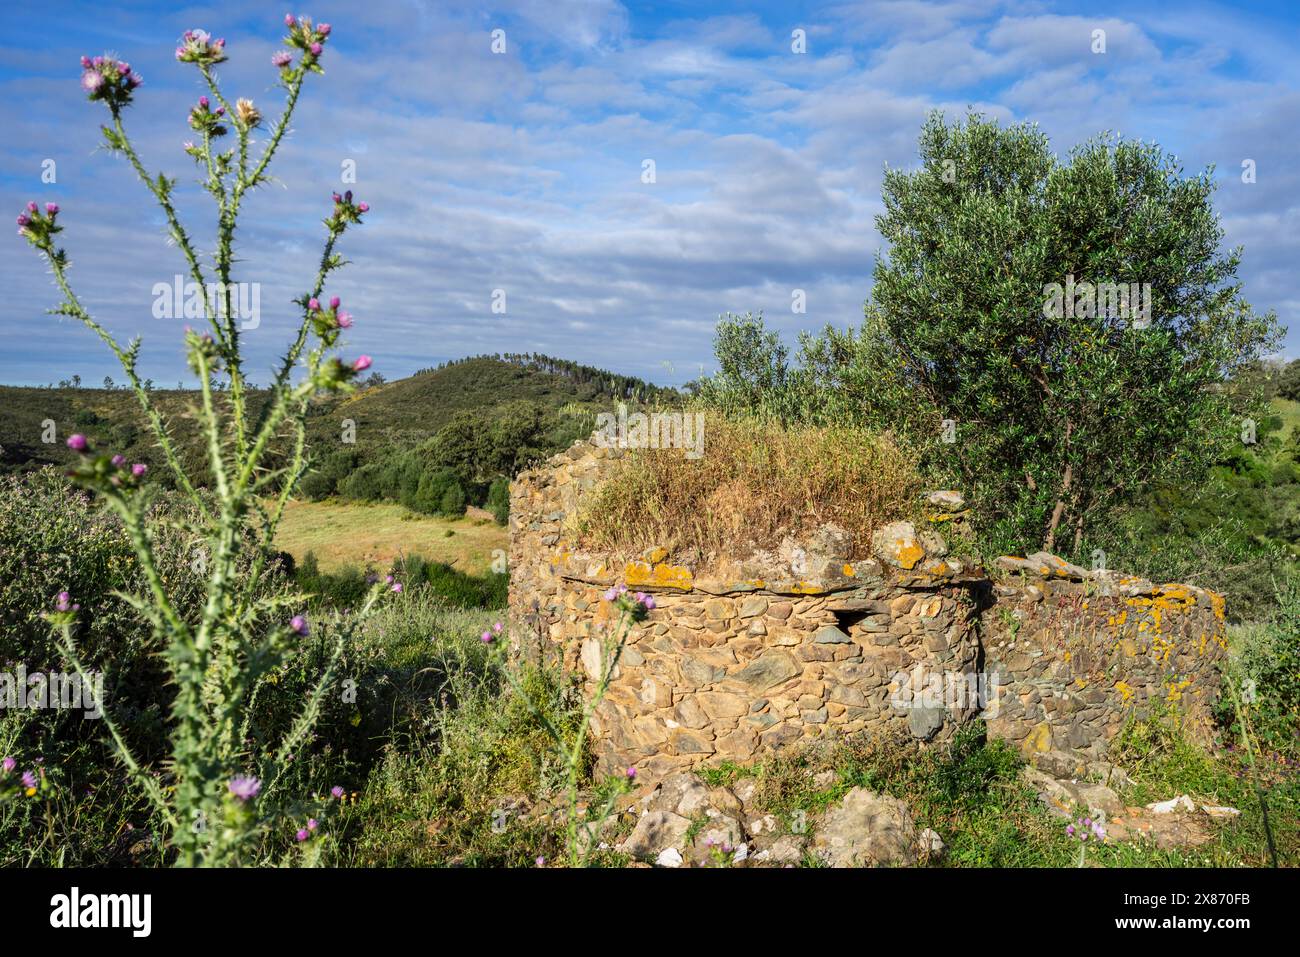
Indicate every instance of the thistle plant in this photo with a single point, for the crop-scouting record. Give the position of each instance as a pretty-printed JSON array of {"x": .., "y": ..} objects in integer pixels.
[
  {"x": 216, "y": 795},
  {"x": 1083, "y": 829}
]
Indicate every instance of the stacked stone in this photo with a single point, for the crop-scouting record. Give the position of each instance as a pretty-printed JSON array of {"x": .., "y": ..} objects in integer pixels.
[
  {"x": 758, "y": 652},
  {"x": 1075, "y": 653}
]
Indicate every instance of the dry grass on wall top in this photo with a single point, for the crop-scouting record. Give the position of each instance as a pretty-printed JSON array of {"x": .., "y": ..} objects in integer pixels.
[{"x": 754, "y": 485}]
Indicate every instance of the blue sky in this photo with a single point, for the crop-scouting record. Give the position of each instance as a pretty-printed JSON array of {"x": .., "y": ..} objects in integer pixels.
[{"x": 522, "y": 171}]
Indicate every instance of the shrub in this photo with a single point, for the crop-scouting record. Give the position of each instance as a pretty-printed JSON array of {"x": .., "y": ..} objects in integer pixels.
[{"x": 498, "y": 500}]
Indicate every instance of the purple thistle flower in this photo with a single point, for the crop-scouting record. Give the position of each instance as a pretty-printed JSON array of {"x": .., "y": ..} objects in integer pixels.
[
  {"x": 631, "y": 773},
  {"x": 8, "y": 764},
  {"x": 244, "y": 787},
  {"x": 288, "y": 19},
  {"x": 22, "y": 219},
  {"x": 29, "y": 779},
  {"x": 498, "y": 627},
  {"x": 611, "y": 594},
  {"x": 119, "y": 460},
  {"x": 315, "y": 49},
  {"x": 52, "y": 209},
  {"x": 323, "y": 29},
  {"x": 313, "y": 304},
  {"x": 203, "y": 102},
  {"x": 91, "y": 81},
  {"x": 362, "y": 363},
  {"x": 541, "y": 862},
  {"x": 139, "y": 469},
  {"x": 363, "y": 207},
  {"x": 336, "y": 791},
  {"x": 486, "y": 637},
  {"x": 77, "y": 442},
  {"x": 299, "y": 624},
  {"x": 397, "y": 588},
  {"x": 302, "y": 834},
  {"x": 344, "y": 320},
  {"x": 334, "y": 302},
  {"x": 312, "y": 824},
  {"x": 281, "y": 59}
]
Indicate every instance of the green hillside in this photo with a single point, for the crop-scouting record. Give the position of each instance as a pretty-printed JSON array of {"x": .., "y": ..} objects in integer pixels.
[{"x": 552, "y": 400}]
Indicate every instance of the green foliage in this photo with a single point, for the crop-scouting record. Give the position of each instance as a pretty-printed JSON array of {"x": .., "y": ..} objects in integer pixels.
[
  {"x": 1060, "y": 418},
  {"x": 498, "y": 500},
  {"x": 1266, "y": 672}
]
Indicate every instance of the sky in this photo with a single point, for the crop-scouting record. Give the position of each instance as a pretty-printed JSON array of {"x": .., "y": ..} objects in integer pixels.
[{"x": 519, "y": 178}]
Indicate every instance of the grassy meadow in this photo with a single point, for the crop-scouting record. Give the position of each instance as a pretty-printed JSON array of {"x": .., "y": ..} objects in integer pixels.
[{"x": 342, "y": 534}]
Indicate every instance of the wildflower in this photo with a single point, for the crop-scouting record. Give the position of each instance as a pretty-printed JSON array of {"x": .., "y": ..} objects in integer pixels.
[
  {"x": 303, "y": 834},
  {"x": 282, "y": 59},
  {"x": 315, "y": 49},
  {"x": 52, "y": 209},
  {"x": 245, "y": 788},
  {"x": 334, "y": 302},
  {"x": 611, "y": 594},
  {"x": 362, "y": 363},
  {"x": 631, "y": 773},
  {"x": 312, "y": 824},
  {"x": 487, "y": 637},
  {"x": 299, "y": 624},
  {"x": 104, "y": 78},
  {"x": 29, "y": 779},
  {"x": 249, "y": 115},
  {"x": 323, "y": 29},
  {"x": 139, "y": 469},
  {"x": 541, "y": 862},
  {"x": 313, "y": 304},
  {"x": 78, "y": 442},
  {"x": 344, "y": 320},
  {"x": 64, "y": 603},
  {"x": 118, "y": 460},
  {"x": 649, "y": 602},
  {"x": 397, "y": 588},
  {"x": 288, "y": 19},
  {"x": 197, "y": 46},
  {"x": 498, "y": 627},
  {"x": 8, "y": 764},
  {"x": 336, "y": 791}
]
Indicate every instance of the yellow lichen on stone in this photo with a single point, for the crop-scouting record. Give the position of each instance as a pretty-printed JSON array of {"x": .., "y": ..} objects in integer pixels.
[
  {"x": 656, "y": 555},
  {"x": 661, "y": 575},
  {"x": 909, "y": 553},
  {"x": 1125, "y": 691},
  {"x": 848, "y": 571},
  {"x": 807, "y": 588}
]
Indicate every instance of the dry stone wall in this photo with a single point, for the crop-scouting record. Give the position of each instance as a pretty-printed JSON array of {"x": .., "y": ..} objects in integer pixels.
[{"x": 757, "y": 653}]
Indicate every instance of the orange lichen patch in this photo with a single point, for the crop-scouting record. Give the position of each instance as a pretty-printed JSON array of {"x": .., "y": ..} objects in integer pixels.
[
  {"x": 909, "y": 552},
  {"x": 942, "y": 568},
  {"x": 1218, "y": 603},
  {"x": 848, "y": 571},
  {"x": 661, "y": 575}
]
